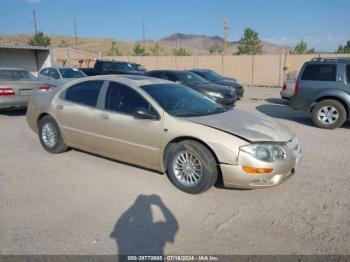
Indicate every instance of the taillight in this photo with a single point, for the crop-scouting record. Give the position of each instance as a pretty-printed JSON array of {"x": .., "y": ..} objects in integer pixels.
[
  {"x": 296, "y": 88},
  {"x": 7, "y": 91},
  {"x": 44, "y": 88}
]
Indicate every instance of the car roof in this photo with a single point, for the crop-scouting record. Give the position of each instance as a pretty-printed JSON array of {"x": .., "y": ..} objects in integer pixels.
[
  {"x": 115, "y": 61},
  {"x": 136, "y": 80},
  {"x": 169, "y": 70},
  {"x": 12, "y": 68}
]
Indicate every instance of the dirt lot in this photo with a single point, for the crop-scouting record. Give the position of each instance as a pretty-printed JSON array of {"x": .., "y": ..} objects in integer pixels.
[{"x": 73, "y": 203}]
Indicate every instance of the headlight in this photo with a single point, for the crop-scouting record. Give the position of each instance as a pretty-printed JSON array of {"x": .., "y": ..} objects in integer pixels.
[
  {"x": 213, "y": 94},
  {"x": 265, "y": 152}
]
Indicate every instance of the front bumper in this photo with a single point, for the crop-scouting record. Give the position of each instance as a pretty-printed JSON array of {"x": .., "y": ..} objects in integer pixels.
[
  {"x": 227, "y": 102},
  {"x": 235, "y": 177},
  {"x": 239, "y": 93},
  {"x": 14, "y": 102}
]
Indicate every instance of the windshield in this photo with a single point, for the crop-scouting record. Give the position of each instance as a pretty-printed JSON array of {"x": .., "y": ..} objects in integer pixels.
[
  {"x": 182, "y": 101},
  {"x": 210, "y": 75},
  {"x": 71, "y": 73},
  {"x": 16, "y": 75},
  {"x": 190, "y": 78}
]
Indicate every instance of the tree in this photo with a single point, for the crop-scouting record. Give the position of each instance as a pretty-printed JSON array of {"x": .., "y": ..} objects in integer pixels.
[
  {"x": 344, "y": 49},
  {"x": 139, "y": 50},
  {"x": 181, "y": 52},
  {"x": 113, "y": 50},
  {"x": 39, "y": 39},
  {"x": 301, "y": 48},
  {"x": 215, "y": 49},
  {"x": 250, "y": 43},
  {"x": 156, "y": 49}
]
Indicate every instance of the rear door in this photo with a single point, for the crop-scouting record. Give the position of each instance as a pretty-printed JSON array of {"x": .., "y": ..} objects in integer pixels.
[
  {"x": 121, "y": 135},
  {"x": 76, "y": 110}
]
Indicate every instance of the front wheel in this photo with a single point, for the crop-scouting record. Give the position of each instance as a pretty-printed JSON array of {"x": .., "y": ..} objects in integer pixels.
[
  {"x": 191, "y": 167},
  {"x": 50, "y": 135},
  {"x": 328, "y": 114}
]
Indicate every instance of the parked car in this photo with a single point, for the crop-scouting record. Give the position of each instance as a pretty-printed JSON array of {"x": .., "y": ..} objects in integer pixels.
[
  {"x": 56, "y": 76},
  {"x": 167, "y": 127},
  {"x": 323, "y": 88},
  {"x": 215, "y": 78},
  {"x": 220, "y": 94},
  {"x": 288, "y": 89},
  {"x": 114, "y": 68},
  {"x": 16, "y": 86}
]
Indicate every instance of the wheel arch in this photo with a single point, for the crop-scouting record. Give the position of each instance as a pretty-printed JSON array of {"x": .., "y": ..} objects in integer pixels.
[
  {"x": 182, "y": 138},
  {"x": 330, "y": 97},
  {"x": 41, "y": 116}
]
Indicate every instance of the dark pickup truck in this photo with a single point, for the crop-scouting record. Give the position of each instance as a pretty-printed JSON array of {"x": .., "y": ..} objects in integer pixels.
[{"x": 114, "y": 68}]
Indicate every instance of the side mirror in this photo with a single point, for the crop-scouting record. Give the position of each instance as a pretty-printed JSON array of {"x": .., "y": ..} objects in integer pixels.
[{"x": 143, "y": 113}]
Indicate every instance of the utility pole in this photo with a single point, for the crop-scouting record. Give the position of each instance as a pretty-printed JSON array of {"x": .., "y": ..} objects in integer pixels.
[
  {"x": 143, "y": 33},
  {"x": 227, "y": 27},
  {"x": 34, "y": 20},
  {"x": 75, "y": 32}
]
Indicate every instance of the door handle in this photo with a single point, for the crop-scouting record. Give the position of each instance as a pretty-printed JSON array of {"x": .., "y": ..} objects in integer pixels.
[
  {"x": 104, "y": 116},
  {"x": 59, "y": 107}
]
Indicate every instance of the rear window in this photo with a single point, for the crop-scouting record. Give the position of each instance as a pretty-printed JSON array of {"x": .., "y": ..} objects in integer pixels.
[
  {"x": 16, "y": 75},
  {"x": 326, "y": 72},
  {"x": 71, "y": 73}
]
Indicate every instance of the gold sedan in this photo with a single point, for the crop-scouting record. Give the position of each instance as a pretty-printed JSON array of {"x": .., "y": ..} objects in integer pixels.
[{"x": 167, "y": 127}]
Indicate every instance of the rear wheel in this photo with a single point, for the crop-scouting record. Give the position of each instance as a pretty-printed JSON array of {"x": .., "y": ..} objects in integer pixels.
[
  {"x": 328, "y": 114},
  {"x": 50, "y": 135},
  {"x": 191, "y": 167}
]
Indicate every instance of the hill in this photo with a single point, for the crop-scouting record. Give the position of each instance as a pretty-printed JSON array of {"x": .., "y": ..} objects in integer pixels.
[{"x": 196, "y": 44}]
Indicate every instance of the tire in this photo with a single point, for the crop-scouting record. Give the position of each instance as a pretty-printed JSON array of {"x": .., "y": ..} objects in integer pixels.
[
  {"x": 328, "y": 114},
  {"x": 200, "y": 158},
  {"x": 55, "y": 144}
]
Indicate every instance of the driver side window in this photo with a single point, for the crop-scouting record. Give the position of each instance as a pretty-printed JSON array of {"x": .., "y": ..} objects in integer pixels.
[
  {"x": 123, "y": 99},
  {"x": 54, "y": 74}
]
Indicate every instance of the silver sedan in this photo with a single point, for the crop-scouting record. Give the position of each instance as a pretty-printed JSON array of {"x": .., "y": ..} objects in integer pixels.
[{"x": 16, "y": 86}]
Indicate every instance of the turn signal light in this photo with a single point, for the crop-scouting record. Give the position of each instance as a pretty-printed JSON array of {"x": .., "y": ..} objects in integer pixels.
[
  {"x": 254, "y": 170},
  {"x": 7, "y": 91}
]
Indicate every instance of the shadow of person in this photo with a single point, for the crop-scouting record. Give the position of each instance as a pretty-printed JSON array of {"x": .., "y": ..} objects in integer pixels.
[{"x": 137, "y": 234}]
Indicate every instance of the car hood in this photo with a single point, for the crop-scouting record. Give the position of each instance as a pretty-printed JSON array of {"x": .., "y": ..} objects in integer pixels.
[
  {"x": 251, "y": 127},
  {"x": 211, "y": 87},
  {"x": 229, "y": 83}
]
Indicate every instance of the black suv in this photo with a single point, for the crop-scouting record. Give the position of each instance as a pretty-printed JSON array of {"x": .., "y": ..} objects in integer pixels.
[{"x": 323, "y": 88}]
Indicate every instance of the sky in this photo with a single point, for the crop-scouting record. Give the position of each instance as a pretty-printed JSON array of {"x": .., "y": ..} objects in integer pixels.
[{"x": 323, "y": 24}]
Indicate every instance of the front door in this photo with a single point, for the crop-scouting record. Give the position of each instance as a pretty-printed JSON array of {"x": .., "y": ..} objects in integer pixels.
[{"x": 121, "y": 135}]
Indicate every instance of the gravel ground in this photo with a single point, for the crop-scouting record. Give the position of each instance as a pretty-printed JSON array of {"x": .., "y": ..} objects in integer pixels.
[{"x": 73, "y": 203}]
